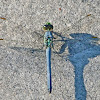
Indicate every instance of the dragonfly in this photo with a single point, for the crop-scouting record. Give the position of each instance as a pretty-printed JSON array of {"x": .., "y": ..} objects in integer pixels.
[{"x": 49, "y": 40}]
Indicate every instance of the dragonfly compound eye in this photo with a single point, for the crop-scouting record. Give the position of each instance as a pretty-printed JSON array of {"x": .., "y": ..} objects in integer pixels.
[
  {"x": 50, "y": 27},
  {"x": 45, "y": 27}
]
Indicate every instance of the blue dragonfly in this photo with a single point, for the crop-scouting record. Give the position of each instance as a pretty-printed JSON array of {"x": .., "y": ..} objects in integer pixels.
[{"x": 48, "y": 42}]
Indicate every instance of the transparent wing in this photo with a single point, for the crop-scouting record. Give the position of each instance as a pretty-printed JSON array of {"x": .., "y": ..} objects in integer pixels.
[
  {"x": 70, "y": 35},
  {"x": 33, "y": 38}
]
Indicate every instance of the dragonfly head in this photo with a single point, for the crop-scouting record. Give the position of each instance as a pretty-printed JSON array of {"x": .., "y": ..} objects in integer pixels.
[{"x": 47, "y": 27}]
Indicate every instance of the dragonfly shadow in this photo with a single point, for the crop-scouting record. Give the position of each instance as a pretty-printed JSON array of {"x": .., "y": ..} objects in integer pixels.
[
  {"x": 80, "y": 48},
  {"x": 22, "y": 49}
]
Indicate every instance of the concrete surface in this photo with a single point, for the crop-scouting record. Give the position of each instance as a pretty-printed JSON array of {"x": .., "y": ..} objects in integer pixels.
[{"x": 75, "y": 57}]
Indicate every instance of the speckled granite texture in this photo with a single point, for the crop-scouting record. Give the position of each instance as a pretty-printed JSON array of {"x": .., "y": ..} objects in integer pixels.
[{"x": 75, "y": 57}]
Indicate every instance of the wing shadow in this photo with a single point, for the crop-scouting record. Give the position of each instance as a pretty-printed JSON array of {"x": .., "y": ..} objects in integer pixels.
[{"x": 31, "y": 50}]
